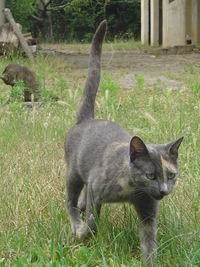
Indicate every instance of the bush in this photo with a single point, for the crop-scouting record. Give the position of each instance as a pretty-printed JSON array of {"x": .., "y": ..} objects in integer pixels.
[{"x": 80, "y": 18}]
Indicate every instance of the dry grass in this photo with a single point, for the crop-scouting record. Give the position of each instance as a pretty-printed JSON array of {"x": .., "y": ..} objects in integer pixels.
[{"x": 118, "y": 45}]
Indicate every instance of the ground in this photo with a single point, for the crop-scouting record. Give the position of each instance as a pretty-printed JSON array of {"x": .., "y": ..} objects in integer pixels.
[{"x": 126, "y": 66}]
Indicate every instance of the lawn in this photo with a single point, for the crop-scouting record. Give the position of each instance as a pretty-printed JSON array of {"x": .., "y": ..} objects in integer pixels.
[{"x": 34, "y": 226}]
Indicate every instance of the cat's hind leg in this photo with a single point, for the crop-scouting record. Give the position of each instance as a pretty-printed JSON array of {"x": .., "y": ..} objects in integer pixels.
[{"x": 74, "y": 186}]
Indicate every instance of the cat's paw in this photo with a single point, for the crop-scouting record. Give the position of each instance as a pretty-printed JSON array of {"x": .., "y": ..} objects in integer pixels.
[
  {"x": 82, "y": 206},
  {"x": 82, "y": 230}
]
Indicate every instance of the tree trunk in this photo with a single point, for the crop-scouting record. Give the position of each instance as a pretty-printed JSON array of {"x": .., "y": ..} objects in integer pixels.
[
  {"x": 49, "y": 25},
  {"x": 43, "y": 18},
  {"x": 46, "y": 25},
  {"x": 2, "y": 17}
]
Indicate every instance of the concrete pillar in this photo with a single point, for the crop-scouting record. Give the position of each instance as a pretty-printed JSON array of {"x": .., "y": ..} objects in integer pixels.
[
  {"x": 174, "y": 23},
  {"x": 2, "y": 17},
  {"x": 189, "y": 15},
  {"x": 154, "y": 22},
  {"x": 198, "y": 28},
  {"x": 144, "y": 21},
  {"x": 195, "y": 22}
]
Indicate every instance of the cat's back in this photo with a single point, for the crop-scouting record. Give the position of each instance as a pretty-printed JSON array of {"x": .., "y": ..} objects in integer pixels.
[
  {"x": 28, "y": 77},
  {"x": 16, "y": 72},
  {"x": 93, "y": 137}
]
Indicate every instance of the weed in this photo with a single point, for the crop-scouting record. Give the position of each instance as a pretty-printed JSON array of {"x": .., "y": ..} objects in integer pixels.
[
  {"x": 140, "y": 81},
  {"x": 195, "y": 87},
  {"x": 17, "y": 92}
]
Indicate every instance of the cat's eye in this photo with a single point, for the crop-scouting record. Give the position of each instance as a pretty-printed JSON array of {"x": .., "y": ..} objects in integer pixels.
[
  {"x": 171, "y": 175},
  {"x": 151, "y": 176}
]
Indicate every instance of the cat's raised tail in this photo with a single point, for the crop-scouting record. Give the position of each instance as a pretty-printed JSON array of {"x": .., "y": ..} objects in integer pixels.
[{"x": 86, "y": 106}]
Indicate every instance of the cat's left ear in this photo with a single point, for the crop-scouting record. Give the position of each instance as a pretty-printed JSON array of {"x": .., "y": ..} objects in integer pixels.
[
  {"x": 174, "y": 146},
  {"x": 137, "y": 148}
]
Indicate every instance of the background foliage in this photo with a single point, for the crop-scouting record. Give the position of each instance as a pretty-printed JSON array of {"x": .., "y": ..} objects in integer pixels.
[
  {"x": 22, "y": 10},
  {"x": 78, "y": 20}
]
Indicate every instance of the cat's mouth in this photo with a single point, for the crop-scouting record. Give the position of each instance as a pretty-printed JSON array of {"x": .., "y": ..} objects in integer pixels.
[{"x": 158, "y": 197}]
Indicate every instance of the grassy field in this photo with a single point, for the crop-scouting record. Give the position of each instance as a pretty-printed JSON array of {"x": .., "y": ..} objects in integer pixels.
[{"x": 34, "y": 227}]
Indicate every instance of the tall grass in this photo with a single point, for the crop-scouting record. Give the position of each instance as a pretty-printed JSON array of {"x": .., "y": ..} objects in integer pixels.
[{"x": 34, "y": 227}]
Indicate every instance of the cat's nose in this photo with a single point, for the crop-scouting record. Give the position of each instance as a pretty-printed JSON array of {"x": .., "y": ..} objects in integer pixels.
[{"x": 164, "y": 189}]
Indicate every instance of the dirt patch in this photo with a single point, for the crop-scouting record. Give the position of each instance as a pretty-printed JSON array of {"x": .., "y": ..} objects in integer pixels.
[{"x": 161, "y": 71}]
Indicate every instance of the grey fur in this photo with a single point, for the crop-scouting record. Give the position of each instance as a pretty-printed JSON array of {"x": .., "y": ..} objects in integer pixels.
[
  {"x": 86, "y": 109},
  {"x": 107, "y": 165}
]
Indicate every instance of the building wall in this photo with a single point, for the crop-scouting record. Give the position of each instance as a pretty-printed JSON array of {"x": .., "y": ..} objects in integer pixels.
[
  {"x": 195, "y": 22},
  {"x": 181, "y": 18},
  {"x": 174, "y": 22}
]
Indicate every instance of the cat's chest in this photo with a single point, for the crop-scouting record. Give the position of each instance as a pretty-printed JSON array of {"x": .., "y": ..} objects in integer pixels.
[{"x": 118, "y": 191}]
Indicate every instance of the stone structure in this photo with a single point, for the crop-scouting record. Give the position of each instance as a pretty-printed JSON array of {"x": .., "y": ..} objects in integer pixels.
[
  {"x": 7, "y": 35},
  {"x": 170, "y": 22},
  {"x": 2, "y": 17}
]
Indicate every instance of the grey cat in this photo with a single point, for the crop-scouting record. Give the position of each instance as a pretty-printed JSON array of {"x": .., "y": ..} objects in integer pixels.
[{"x": 107, "y": 165}]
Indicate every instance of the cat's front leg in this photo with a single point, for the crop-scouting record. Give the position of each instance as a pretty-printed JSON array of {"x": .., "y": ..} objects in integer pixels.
[
  {"x": 83, "y": 199},
  {"x": 93, "y": 207},
  {"x": 146, "y": 208},
  {"x": 148, "y": 234}
]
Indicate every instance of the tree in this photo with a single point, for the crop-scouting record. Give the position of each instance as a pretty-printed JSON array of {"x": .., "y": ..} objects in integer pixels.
[
  {"x": 81, "y": 17},
  {"x": 43, "y": 21},
  {"x": 77, "y": 19},
  {"x": 35, "y": 15},
  {"x": 42, "y": 16},
  {"x": 22, "y": 10}
]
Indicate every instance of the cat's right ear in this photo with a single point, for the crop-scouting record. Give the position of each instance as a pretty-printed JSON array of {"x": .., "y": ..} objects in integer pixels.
[
  {"x": 174, "y": 146},
  {"x": 137, "y": 148}
]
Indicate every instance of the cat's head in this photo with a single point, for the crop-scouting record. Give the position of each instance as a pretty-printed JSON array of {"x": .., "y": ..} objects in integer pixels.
[
  {"x": 9, "y": 75},
  {"x": 154, "y": 168}
]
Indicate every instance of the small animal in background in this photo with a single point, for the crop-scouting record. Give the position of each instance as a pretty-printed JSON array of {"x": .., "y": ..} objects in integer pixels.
[
  {"x": 16, "y": 72},
  {"x": 106, "y": 164}
]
